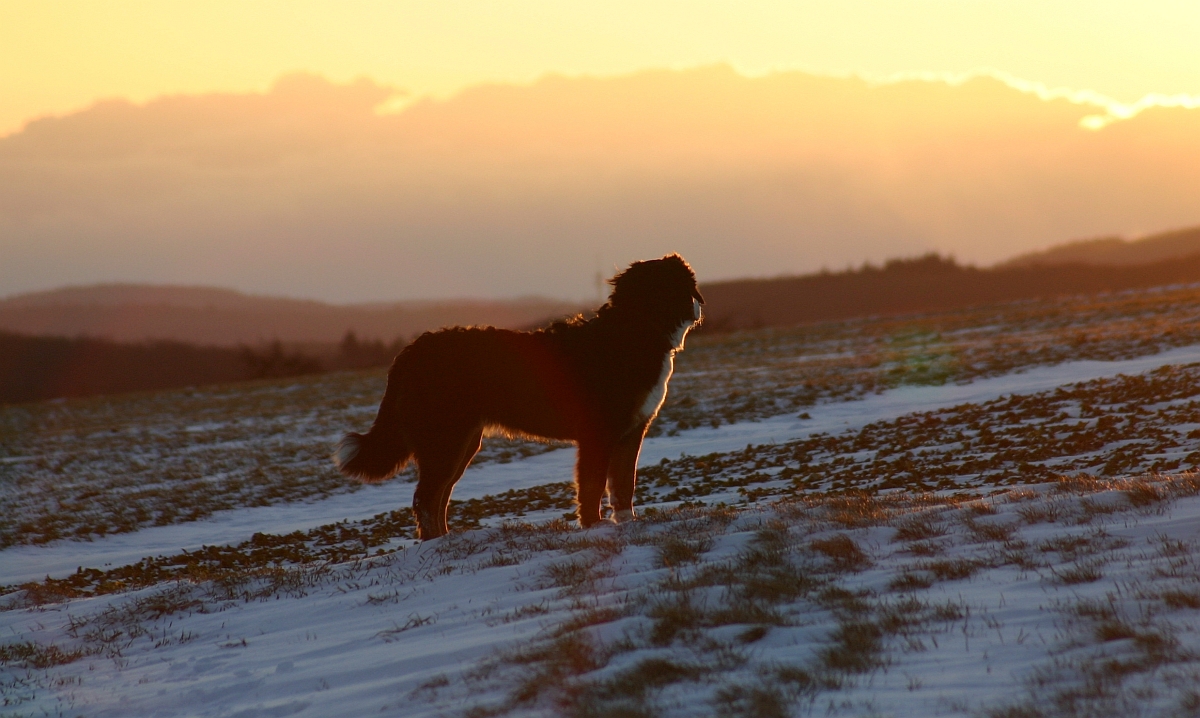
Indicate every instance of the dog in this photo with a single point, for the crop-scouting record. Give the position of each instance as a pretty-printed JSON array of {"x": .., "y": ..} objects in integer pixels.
[{"x": 598, "y": 382}]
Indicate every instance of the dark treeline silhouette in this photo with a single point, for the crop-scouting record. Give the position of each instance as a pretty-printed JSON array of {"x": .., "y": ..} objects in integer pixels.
[
  {"x": 35, "y": 368},
  {"x": 923, "y": 284},
  {"x": 355, "y": 353}
]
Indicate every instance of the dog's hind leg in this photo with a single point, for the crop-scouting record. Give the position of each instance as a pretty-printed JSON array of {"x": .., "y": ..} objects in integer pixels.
[
  {"x": 622, "y": 473},
  {"x": 437, "y": 460},
  {"x": 433, "y": 470},
  {"x": 469, "y": 449},
  {"x": 441, "y": 460},
  {"x": 591, "y": 471}
]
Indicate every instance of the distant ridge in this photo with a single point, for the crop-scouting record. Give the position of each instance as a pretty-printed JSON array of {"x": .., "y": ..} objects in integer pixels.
[
  {"x": 1115, "y": 251},
  {"x": 42, "y": 367},
  {"x": 922, "y": 284},
  {"x": 223, "y": 317}
]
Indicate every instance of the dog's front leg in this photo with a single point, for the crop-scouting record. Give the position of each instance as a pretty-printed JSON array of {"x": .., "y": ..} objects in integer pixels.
[
  {"x": 591, "y": 470},
  {"x": 622, "y": 473}
]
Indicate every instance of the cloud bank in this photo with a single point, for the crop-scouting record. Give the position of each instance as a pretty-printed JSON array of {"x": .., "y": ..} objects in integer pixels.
[{"x": 508, "y": 190}]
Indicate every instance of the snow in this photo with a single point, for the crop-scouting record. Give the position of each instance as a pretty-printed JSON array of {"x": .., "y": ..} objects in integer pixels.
[
  {"x": 412, "y": 633},
  {"x": 365, "y": 640},
  {"x": 26, "y": 563}
]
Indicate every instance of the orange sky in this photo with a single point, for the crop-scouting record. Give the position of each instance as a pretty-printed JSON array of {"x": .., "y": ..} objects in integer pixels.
[
  {"x": 738, "y": 133},
  {"x": 503, "y": 190},
  {"x": 60, "y": 56}
]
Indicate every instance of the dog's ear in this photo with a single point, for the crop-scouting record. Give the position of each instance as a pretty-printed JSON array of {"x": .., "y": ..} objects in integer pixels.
[{"x": 676, "y": 258}]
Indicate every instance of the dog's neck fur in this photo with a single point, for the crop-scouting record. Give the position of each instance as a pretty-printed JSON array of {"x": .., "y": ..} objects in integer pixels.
[
  {"x": 658, "y": 393},
  {"x": 670, "y": 333}
]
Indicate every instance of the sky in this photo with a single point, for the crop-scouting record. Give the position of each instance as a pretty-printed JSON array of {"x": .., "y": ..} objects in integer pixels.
[
  {"x": 61, "y": 56},
  {"x": 374, "y": 151}
]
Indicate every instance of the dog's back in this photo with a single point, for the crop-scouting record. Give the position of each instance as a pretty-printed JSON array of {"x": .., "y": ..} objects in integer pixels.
[{"x": 523, "y": 382}]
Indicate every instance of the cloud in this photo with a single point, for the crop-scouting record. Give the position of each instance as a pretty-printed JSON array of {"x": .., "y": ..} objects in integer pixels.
[{"x": 310, "y": 189}]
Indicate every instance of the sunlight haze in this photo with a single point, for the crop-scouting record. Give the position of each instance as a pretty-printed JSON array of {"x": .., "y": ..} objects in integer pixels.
[{"x": 388, "y": 150}]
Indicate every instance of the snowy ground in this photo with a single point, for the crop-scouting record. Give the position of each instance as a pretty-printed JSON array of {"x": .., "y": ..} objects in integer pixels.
[
  {"x": 1070, "y": 597},
  {"x": 30, "y": 563}
]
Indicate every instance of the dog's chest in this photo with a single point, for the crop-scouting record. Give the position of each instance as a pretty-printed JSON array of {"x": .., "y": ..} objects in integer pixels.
[{"x": 658, "y": 392}]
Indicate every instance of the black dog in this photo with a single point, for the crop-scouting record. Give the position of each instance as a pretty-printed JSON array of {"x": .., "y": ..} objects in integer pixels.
[{"x": 596, "y": 382}]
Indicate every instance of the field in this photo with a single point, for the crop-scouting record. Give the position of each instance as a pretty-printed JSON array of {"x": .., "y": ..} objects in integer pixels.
[{"x": 982, "y": 512}]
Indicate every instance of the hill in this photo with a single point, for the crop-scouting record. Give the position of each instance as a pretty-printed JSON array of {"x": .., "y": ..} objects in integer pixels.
[
  {"x": 222, "y": 317},
  {"x": 1115, "y": 251},
  {"x": 43, "y": 367},
  {"x": 924, "y": 284}
]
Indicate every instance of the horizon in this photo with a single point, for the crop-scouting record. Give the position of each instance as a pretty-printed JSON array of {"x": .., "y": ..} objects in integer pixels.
[{"x": 584, "y": 302}]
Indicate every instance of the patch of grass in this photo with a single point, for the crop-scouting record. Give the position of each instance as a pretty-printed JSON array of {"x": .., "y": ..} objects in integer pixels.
[
  {"x": 1142, "y": 492},
  {"x": 1043, "y": 512},
  {"x": 857, "y": 510},
  {"x": 1067, "y": 546},
  {"x": 925, "y": 548},
  {"x": 1112, "y": 629},
  {"x": 919, "y": 528},
  {"x": 855, "y": 648},
  {"x": 651, "y": 673},
  {"x": 897, "y": 617},
  {"x": 909, "y": 580},
  {"x": 675, "y": 550},
  {"x": 27, "y": 654},
  {"x": 590, "y": 615},
  {"x": 754, "y": 634},
  {"x": 261, "y": 555},
  {"x": 775, "y": 585},
  {"x": 842, "y": 550},
  {"x": 674, "y": 615},
  {"x": 1077, "y": 573},
  {"x": 946, "y": 612},
  {"x": 1017, "y": 711},
  {"x": 1095, "y": 610},
  {"x": 755, "y": 701},
  {"x": 990, "y": 530},
  {"x": 955, "y": 569},
  {"x": 573, "y": 575},
  {"x": 568, "y": 654},
  {"x": 1177, "y": 599}
]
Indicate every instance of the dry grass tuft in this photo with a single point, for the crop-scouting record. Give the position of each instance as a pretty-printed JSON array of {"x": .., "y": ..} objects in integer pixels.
[
  {"x": 1143, "y": 492},
  {"x": 919, "y": 528},
  {"x": 842, "y": 550}
]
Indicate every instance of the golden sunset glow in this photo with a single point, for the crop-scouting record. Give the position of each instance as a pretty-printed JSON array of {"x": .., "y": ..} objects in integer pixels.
[
  {"x": 378, "y": 150},
  {"x": 62, "y": 56}
]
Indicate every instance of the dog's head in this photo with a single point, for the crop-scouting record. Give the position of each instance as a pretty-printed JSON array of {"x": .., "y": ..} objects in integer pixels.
[{"x": 662, "y": 290}]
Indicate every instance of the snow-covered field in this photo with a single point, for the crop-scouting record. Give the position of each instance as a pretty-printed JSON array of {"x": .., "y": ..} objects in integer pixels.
[
  {"x": 1068, "y": 600},
  {"x": 755, "y": 584}
]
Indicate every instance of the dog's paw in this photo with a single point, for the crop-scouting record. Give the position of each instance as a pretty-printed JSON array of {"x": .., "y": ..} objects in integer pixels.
[{"x": 623, "y": 516}]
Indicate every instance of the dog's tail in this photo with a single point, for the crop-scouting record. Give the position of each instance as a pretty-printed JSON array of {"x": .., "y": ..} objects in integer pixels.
[{"x": 382, "y": 451}]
